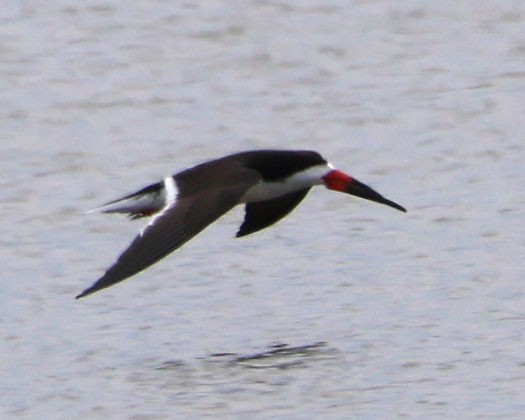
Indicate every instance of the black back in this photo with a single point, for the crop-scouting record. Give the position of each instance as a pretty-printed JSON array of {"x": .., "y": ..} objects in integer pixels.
[
  {"x": 270, "y": 165},
  {"x": 275, "y": 165}
]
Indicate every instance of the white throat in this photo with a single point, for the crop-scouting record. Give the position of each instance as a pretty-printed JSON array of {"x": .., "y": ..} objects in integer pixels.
[{"x": 298, "y": 181}]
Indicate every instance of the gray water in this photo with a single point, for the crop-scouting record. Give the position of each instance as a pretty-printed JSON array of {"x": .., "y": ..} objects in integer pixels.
[{"x": 345, "y": 309}]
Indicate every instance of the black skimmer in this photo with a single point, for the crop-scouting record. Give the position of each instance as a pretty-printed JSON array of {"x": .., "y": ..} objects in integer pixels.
[{"x": 271, "y": 183}]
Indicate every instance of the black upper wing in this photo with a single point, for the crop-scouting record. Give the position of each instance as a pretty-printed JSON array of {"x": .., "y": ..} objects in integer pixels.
[
  {"x": 174, "y": 226},
  {"x": 262, "y": 214}
]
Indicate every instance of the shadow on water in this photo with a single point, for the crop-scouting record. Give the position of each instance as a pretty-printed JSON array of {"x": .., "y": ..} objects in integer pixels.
[
  {"x": 276, "y": 356},
  {"x": 226, "y": 377}
]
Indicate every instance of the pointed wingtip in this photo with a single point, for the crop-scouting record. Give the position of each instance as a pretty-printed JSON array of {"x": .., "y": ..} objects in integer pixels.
[
  {"x": 243, "y": 231},
  {"x": 86, "y": 292}
]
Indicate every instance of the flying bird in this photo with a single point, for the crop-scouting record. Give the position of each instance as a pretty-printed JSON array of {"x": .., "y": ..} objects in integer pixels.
[{"x": 270, "y": 183}]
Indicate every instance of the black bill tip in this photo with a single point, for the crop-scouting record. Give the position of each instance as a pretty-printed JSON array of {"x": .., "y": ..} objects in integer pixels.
[{"x": 358, "y": 189}]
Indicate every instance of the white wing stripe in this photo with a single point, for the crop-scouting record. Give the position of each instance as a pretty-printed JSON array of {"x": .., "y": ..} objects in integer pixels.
[
  {"x": 171, "y": 190},
  {"x": 170, "y": 187}
]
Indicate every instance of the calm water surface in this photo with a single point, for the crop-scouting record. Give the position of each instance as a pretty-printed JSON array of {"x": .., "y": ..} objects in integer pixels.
[{"x": 346, "y": 309}]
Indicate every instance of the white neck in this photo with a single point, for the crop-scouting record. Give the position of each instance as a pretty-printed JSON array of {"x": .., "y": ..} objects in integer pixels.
[{"x": 298, "y": 181}]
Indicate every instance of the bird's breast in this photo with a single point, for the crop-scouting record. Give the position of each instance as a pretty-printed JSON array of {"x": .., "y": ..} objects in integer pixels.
[{"x": 266, "y": 190}]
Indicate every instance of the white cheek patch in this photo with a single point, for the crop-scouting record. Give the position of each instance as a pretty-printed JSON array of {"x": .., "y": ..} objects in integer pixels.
[
  {"x": 311, "y": 176},
  {"x": 170, "y": 191},
  {"x": 304, "y": 179}
]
